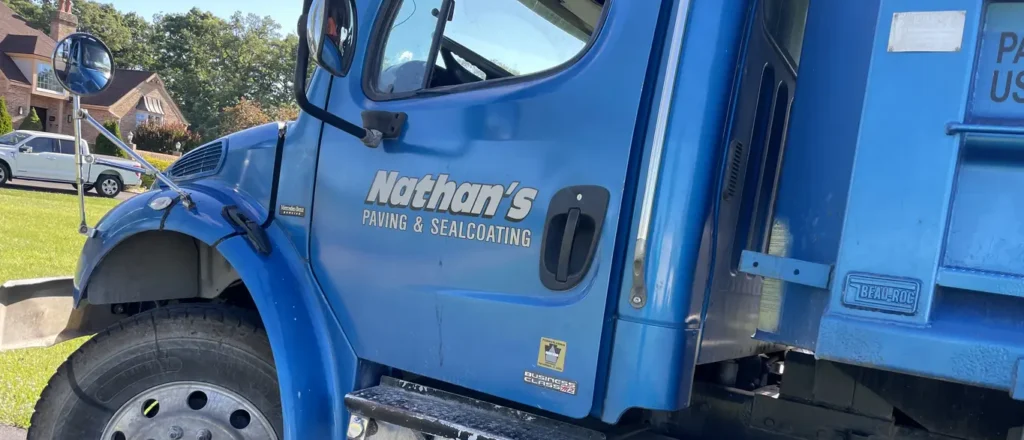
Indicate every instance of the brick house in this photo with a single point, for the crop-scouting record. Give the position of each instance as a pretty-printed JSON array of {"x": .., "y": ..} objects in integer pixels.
[{"x": 27, "y": 81}]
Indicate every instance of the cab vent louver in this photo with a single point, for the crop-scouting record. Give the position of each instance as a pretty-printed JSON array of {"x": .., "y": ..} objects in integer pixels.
[{"x": 202, "y": 161}]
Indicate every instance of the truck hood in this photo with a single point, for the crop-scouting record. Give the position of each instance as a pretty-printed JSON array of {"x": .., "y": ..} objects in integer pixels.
[{"x": 242, "y": 163}]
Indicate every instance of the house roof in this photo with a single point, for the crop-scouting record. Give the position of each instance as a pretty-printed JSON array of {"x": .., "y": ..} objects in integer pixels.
[
  {"x": 11, "y": 71},
  {"x": 16, "y": 36},
  {"x": 124, "y": 82}
]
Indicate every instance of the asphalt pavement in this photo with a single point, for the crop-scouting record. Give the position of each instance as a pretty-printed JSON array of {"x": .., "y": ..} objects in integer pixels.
[
  {"x": 63, "y": 188},
  {"x": 11, "y": 433}
]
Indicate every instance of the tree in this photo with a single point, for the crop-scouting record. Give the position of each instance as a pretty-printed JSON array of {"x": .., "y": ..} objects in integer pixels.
[
  {"x": 32, "y": 122},
  {"x": 161, "y": 138},
  {"x": 285, "y": 113},
  {"x": 245, "y": 114},
  {"x": 207, "y": 63},
  {"x": 105, "y": 146},
  {"x": 6, "y": 126}
]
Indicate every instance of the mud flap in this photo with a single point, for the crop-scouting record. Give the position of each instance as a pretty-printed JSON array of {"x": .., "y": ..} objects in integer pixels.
[{"x": 40, "y": 313}]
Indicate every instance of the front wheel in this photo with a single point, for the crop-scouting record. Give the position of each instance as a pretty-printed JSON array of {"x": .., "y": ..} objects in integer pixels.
[
  {"x": 109, "y": 186},
  {"x": 5, "y": 174},
  {"x": 190, "y": 371}
]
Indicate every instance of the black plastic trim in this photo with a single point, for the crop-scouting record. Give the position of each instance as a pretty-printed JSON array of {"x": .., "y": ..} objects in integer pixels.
[
  {"x": 276, "y": 179},
  {"x": 256, "y": 236},
  {"x": 375, "y": 51},
  {"x": 584, "y": 209}
]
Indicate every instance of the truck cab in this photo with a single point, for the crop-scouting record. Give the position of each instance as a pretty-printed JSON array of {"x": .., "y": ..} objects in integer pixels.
[{"x": 580, "y": 219}]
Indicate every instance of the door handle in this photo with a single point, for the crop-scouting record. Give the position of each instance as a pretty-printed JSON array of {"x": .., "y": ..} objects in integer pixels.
[
  {"x": 50, "y": 158},
  {"x": 572, "y": 232},
  {"x": 562, "y": 273}
]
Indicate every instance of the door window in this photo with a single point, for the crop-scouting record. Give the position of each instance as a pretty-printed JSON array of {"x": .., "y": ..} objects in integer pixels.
[
  {"x": 67, "y": 147},
  {"x": 41, "y": 145},
  {"x": 535, "y": 36}
]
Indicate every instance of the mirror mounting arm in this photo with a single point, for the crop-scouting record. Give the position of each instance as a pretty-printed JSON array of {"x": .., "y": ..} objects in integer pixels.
[
  {"x": 186, "y": 200},
  {"x": 370, "y": 138}
]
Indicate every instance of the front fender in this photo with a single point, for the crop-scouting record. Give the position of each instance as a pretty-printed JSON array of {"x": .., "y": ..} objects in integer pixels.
[
  {"x": 316, "y": 365},
  {"x": 204, "y": 222}
]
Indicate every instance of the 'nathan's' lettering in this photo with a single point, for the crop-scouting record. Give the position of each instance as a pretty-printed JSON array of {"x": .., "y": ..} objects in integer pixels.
[{"x": 444, "y": 195}]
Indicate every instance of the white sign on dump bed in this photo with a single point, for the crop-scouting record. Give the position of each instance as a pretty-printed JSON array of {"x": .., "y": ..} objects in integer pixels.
[{"x": 938, "y": 31}]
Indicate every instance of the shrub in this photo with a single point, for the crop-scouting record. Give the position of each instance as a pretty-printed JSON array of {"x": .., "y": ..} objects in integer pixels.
[
  {"x": 105, "y": 146},
  {"x": 6, "y": 126},
  {"x": 160, "y": 138},
  {"x": 32, "y": 122},
  {"x": 160, "y": 164}
]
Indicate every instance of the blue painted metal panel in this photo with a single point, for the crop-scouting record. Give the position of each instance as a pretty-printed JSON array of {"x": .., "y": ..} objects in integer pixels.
[
  {"x": 903, "y": 174},
  {"x": 316, "y": 365},
  {"x": 985, "y": 230},
  {"x": 464, "y": 311},
  {"x": 982, "y": 281},
  {"x": 818, "y": 162},
  {"x": 661, "y": 336},
  {"x": 944, "y": 255},
  {"x": 298, "y": 165},
  {"x": 653, "y": 371}
]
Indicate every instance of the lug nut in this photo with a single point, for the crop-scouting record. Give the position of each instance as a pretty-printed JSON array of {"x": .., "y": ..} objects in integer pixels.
[
  {"x": 175, "y": 433},
  {"x": 204, "y": 435}
]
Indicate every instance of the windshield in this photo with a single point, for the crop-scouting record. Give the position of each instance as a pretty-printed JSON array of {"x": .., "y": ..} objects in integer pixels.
[
  {"x": 95, "y": 57},
  {"x": 13, "y": 138}
]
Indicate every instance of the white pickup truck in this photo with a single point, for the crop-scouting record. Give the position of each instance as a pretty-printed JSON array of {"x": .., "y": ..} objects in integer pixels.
[{"x": 33, "y": 155}]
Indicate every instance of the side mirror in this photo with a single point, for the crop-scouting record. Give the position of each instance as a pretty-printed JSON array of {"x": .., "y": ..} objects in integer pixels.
[
  {"x": 24, "y": 149},
  {"x": 83, "y": 64},
  {"x": 330, "y": 29},
  {"x": 327, "y": 29},
  {"x": 89, "y": 159}
]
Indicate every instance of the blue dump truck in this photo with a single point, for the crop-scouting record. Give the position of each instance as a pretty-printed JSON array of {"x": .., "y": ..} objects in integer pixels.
[{"x": 576, "y": 219}]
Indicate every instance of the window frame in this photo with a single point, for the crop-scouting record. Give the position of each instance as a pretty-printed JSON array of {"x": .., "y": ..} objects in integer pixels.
[
  {"x": 52, "y": 141},
  {"x": 373, "y": 59},
  {"x": 39, "y": 79}
]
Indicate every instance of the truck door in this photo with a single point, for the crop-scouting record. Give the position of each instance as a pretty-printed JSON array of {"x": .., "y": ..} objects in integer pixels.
[
  {"x": 478, "y": 248},
  {"x": 40, "y": 163}
]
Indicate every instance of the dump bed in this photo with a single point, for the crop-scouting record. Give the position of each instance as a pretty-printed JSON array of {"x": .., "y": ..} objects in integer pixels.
[{"x": 898, "y": 227}]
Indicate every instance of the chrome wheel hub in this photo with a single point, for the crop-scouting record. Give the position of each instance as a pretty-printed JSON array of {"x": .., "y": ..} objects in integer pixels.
[
  {"x": 188, "y": 410},
  {"x": 109, "y": 187}
]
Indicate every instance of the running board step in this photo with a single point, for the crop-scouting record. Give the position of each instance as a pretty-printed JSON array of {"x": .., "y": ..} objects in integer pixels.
[{"x": 447, "y": 415}]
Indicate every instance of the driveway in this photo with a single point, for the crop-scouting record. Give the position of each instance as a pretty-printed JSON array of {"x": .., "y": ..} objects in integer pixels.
[
  {"x": 10, "y": 433},
  {"x": 63, "y": 188}
]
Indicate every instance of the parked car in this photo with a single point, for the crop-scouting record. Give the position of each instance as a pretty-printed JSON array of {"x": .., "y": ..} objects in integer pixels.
[{"x": 50, "y": 157}]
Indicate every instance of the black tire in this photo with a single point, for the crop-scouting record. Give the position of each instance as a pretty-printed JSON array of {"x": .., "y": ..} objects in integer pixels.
[
  {"x": 108, "y": 181},
  {"x": 218, "y": 345},
  {"x": 5, "y": 173},
  {"x": 87, "y": 187}
]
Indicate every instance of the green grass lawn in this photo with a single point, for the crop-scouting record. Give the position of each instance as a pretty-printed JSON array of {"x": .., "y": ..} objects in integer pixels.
[{"x": 38, "y": 238}]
